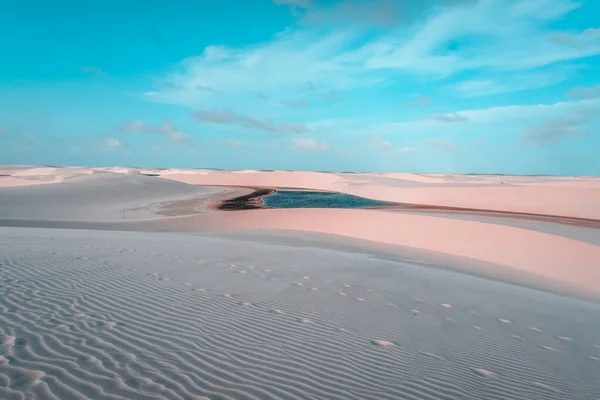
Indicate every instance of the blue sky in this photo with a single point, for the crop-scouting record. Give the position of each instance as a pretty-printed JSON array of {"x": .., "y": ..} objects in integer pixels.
[{"x": 456, "y": 86}]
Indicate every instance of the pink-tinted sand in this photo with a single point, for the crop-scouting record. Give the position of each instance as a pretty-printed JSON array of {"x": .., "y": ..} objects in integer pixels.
[
  {"x": 571, "y": 262},
  {"x": 564, "y": 260},
  {"x": 577, "y": 198}
]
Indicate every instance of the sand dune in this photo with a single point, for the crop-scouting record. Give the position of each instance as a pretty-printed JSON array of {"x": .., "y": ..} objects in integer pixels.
[
  {"x": 97, "y": 197},
  {"x": 524, "y": 250},
  {"x": 579, "y": 200},
  {"x": 103, "y": 197},
  {"x": 109, "y": 315},
  {"x": 294, "y": 303}
]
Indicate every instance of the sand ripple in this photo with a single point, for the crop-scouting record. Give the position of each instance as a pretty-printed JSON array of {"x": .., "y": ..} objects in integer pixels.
[{"x": 98, "y": 323}]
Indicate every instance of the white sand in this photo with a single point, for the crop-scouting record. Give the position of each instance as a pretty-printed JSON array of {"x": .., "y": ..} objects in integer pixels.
[
  {"x": 124, "y": 315},
  {"x": 266, "y": 304}
]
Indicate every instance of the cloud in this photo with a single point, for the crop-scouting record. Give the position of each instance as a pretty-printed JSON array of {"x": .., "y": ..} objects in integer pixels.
[
  {"x": 236, "y": 144},
  {"x": 561, "y": 128},
  {"x": 112, "y": 144},
  {"x": 165, "y": 129},
  {"x": 92, "y": 71},
  {"x": 294, "y": 102},
  {"x": 509, "y": 83},
  {"x": 420, "y": 101},
  {"x": 585, "y": 92},
  {"x": 455, "y": 117},
  {"x": 294, "y": 3},
  {"x": 309, "y": 144},
  {"x": 492, "y": 39},
  {"x": 389, "y": 148},
  {"x": 442, "y": 145},
  {"x": 228, "y": 117},
  {"x": 586, "y": 39}
]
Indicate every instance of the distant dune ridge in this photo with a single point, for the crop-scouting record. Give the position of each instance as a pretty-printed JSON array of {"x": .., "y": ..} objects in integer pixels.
[{"x": 154, "y": 292}]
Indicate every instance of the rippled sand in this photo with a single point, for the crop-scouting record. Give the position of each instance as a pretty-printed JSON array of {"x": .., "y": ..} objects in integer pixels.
[{"x": 117, "y": 315}]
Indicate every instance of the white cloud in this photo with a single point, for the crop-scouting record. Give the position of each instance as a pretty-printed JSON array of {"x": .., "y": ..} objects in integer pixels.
[
  {"x": 585, "y": 92},
  {"x": 442, "y": 145},
  {"x": 489, "y": 36},
  {"x": 111, "y": 144},
  {"x": 455, "y": 117},
  {"x": 165, "y": 129},
  {"x": 99, "y": 72},
  {"x": 236, "y": 144},
  {"x": 389, "y": 148},
  {"x": 561, "y": 128},
  {"x": 504, "y": 121},
  {"x": 309, "y": 144},
  {"x": 229, "y": 117},
  {"x": 507, "y": 83},
  {"x": 294, "y": 102},
  {"x": 420, "y": 101}
]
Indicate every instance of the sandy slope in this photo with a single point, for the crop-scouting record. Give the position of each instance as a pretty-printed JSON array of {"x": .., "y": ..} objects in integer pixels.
[
  {"x": 516, "y": 194},
  {"x": 267, "y": 305},
  {"x": 541, "y": 249},
  {"x": 98, "y": 197},
  {"x": 575, "y": 265},
  {"x": 126, "y": 315}
]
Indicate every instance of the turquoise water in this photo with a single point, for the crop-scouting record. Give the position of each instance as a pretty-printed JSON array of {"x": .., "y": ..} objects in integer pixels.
[{"x": 309, "y": 199}]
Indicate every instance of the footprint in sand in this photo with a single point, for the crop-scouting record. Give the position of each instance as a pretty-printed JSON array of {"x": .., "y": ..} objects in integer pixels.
[
  {"x": 304, "y": 320},
  {"x": 446, "y": 305},
  {"x": 477, "y": 327},
  {"x": 564, "y": 338},
  {"x": 276, "y": 311},
  {"x": 382, "y": 343},
  {"x": 7, "y": 341},
  {"x": 548, "y": 348},
  {"x": 505, "y": 321},
  {"x": 415, "y": 312},
  {"x": 347, "y": 286},
  {"x": 298, "y": 284},
  {"x": 544, "y": 386},
  {"x": 359, "y": 299},
  {"x": 313, "y": 289},
  {"x": 245, "y": 303},
  {"x": 341, "y": 294},
  {"x": 535, "y": 329},
  {"x": 516, "y": 337},
  {"x": 485, "y": 373}
]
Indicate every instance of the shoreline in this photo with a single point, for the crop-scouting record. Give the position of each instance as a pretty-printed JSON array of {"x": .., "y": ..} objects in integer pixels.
[
  {"x": 249, "y": 201},
  {"x": 253, "y": 201},
  {"x": 196, "y": 203}
]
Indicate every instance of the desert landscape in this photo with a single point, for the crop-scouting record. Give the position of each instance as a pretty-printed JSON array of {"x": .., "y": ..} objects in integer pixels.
[{"x": 122, "y": 283}]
